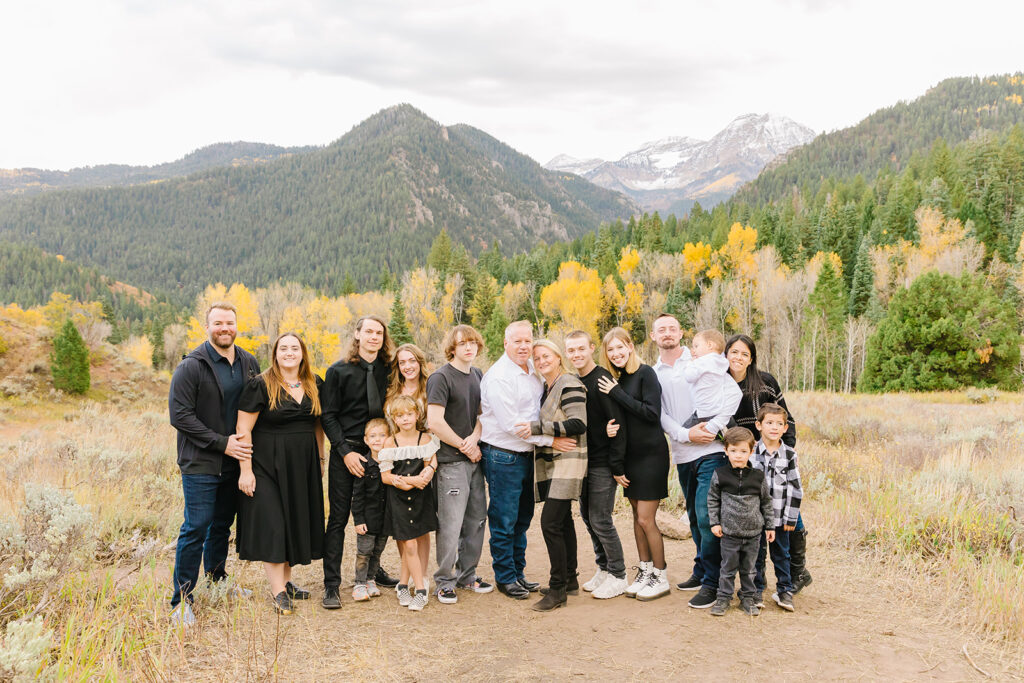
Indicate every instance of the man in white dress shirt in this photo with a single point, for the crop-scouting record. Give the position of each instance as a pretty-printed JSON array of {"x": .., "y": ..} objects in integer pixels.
[{"x": 510, "y": 393}]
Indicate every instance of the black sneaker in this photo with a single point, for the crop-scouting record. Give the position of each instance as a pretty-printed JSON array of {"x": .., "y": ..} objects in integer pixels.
[
  {"x": 759, "y": 601},
  {"x": 477, "y": 586},
  {"x": 691, "y": 584},
  {"x": 282, "y": 603},
  {"x": 704, "y": 598},
  {"x": 531, "y": 586},
  {"x": 447, "y": 596},
  {"x": 749, "y": 606},
  {"x": 383, "y": 579},
  {"x": 296, "y": 593},
  {"x": 784, "y": 600},
  {"x": 720, "y": 607},
  {"x": 332, "y": 598}
]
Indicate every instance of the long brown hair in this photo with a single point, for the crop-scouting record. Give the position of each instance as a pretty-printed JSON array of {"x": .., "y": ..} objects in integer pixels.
[
  {"x": 632, "y": 363},
  {"x": 275, "y": 381},
  {"x": 387, "y": 349},
  {"x": 397, "y": 380}
]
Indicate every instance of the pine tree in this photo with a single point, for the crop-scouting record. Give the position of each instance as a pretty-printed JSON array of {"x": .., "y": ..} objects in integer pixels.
[
  {"x": 348, "y": 285},
  {"x": 863, "y": 281},
  {"x": 675, "y": 303},
  {"x": 69, "y": 362},
  {"x": 440, "y": 256},
  {"x": 494, "y": 333},
  {"x": 398, "y": 328}
]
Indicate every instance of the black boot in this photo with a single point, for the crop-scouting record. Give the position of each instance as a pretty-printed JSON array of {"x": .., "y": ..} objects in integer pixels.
[
  {"x": 798, "y": 560},
  {"x": 553, "y": 599},
  {"x": 571, "y": 588}
]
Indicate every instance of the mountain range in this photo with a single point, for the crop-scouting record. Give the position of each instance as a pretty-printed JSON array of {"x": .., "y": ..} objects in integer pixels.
[
  {"x": 370, "y": 202},
  {"x": 26, "y": 181},
  {"x": 668, "y": 175}
]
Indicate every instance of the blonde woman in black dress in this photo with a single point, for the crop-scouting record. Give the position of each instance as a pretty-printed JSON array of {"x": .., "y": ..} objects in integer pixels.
[
  {"x": 281, "y": 515},
  {"x": 637, "y": 389}
]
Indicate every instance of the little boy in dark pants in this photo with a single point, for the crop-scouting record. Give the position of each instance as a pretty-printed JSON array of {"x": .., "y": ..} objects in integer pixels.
[
  {"x": 368, "y": 505},
  {"x": 740, "y": 512},
  {"x": 778, "y": 462}
]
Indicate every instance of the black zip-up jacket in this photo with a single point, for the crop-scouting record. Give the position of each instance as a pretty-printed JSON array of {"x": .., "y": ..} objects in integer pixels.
[
  {"x": 196, "y": 404},
  {"x": 739, "y": 501}
]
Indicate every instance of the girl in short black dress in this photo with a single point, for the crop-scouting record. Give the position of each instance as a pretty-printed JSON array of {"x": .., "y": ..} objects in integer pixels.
[
  {"x": 408, "y": 462},
  {"x": 647, "y": 458},
  {"x": 281, "y": 515}
]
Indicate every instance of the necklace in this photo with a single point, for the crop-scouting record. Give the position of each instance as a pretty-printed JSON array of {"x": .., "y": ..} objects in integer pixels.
[{"x": 292, "y": 386}]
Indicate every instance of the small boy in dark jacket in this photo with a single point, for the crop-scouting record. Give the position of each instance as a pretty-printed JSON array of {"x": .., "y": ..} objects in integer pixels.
[
  {"x": 740, "y": 510},
  {"x": 368, "y": 505}
]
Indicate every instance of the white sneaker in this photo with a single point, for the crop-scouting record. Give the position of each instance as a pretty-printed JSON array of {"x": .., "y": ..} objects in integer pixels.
[
  {"x": 182, "y": 615},
  {"x": 418, "y": 602},
  {"x": 611, "y": 588},
  {"x": 600, "y": 577},
  {"x": 404, "y": 597},
  {"x": 656, "y": 586},
  {"x": 641, "y": 578},
  {"x": 372, "y": 590}
]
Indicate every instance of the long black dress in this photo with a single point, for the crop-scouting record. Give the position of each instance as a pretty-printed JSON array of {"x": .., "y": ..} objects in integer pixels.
[
  {"x": 283, "y": 521},
  {"x": 647, "y": 458}
]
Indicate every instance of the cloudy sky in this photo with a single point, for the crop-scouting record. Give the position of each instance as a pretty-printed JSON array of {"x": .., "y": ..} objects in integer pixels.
[{"x": 147, "y": 81}]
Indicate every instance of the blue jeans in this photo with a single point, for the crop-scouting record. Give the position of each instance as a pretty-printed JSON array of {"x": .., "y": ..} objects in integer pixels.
[
  {"x": 210, "y": 501},
  {"x": 509, "y": 511},
  {"x": 688, "y": 483},
  {"x": 779, "y": 551},
  {"x": 710, "y": 546}
]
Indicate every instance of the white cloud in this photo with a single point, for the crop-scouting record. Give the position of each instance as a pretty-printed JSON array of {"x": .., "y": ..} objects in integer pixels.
[{"x": 141, "y": 82}]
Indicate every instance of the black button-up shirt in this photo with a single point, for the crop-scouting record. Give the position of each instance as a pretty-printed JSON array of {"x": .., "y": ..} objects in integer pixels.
[
  {"x": 231, "y": 377},
  {"x": 345, "y": 411}
]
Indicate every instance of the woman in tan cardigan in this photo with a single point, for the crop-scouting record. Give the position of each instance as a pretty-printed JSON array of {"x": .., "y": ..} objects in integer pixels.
[{"x": 558, "y": 476}]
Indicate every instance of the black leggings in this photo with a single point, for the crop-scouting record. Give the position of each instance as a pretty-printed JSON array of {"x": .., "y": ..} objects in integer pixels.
[{"x": 560, "y": 538}]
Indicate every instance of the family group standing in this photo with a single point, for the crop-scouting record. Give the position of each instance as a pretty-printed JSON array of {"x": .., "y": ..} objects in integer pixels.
[{"x": 456, "y": 451}]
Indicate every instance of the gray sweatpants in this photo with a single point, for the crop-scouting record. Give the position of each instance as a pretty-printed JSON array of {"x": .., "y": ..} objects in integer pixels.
[
  {"x": 738, "y": 554},
  {"x": 461, "y": 515}
]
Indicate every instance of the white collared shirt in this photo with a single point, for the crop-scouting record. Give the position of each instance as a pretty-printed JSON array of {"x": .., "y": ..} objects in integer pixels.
[
  {"x": 676, "y": 408},
  {"x": 510, "y": 395}
]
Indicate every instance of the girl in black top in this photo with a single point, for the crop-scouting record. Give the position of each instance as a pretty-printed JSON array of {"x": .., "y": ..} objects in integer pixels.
[
  {"x": 759, "y": 388},
  {"x": 647, "y": 459}
]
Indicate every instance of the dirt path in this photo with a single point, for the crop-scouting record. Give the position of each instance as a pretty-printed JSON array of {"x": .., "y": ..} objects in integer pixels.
[{"x": 848, "y": 625}]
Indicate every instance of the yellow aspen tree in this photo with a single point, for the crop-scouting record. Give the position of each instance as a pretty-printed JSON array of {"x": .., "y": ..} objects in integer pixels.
[
  {"x": 628, "y": 263},
  {"x": 696, "y": 260},
  {"x": 321, "y": 323},
  {"x": 247, "y": 315},
  {"x": 573, "y": 301},
  {"x": 140, "y": 350}
]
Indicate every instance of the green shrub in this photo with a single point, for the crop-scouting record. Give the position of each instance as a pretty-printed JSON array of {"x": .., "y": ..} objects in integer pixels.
[
  {"x": 69, "y": 361},
  {"x": 943, "y": 333}
]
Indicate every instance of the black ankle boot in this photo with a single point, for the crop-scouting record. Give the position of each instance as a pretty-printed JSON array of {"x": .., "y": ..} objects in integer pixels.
[
  {"x": 798, "y": 560},
  {"x": 553, "y": 599}
]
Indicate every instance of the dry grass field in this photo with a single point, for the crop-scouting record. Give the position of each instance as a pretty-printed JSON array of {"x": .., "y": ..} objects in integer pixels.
[{"x": 916, "y": 552}]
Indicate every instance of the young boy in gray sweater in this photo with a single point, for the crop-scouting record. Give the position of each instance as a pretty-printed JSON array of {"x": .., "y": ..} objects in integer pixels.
[{"x": 740, "y": 510}]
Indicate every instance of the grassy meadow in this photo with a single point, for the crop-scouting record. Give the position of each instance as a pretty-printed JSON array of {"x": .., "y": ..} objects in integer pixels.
[{"x": 928, "y": 488}]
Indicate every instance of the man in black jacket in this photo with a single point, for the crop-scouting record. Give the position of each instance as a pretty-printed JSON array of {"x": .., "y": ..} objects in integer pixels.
[{"x": 203, "y": 403}]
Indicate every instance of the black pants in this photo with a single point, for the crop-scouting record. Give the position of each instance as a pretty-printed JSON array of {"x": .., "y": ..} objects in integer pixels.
[
  {"x": 560, "y": 539},
  {"x": 339, "y": 494},
  {"x": 738, "y": 554}
]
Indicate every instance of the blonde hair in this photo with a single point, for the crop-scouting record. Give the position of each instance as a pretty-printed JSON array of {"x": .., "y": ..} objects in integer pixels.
[
  {"x": 377, "y": 422},
  {"x": 712, "y": 338},
  {"x": 219, "y": 306},
  {"x": 553, "y": 348},
  {"x": 274, "y": 380},
  {"x": 632, "y": 363},
  {"x": 402, "y": 404}
]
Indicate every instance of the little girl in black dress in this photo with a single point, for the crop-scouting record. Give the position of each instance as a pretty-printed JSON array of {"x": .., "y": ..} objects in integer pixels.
[{"x": 407, "y": 465}]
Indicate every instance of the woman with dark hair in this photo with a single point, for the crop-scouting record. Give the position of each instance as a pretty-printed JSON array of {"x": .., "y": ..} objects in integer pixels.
[
  {"x": 281, "y": 516},
  {"x": 758, "y": 388}
]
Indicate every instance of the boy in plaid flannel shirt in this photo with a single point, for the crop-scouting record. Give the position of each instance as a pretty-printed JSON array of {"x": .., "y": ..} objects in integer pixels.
[{"x": 778, "y": 462}]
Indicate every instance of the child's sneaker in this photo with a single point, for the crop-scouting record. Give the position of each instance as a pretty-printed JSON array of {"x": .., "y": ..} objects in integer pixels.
[
  {"x": 372, "y": 590},
  {"x": 784, "y": 600},
  {"x": 404, "y": 598},
  {"x": 359, "y": 593},
  {"x": 447, "y": 596},
  {"x": 749, "y": 606},
  {"x": 478, "y": 585},
  {"x": 720, "y": 607},
  {"x": 419, "y": 601},
  {"x": 759, "y": 601}
]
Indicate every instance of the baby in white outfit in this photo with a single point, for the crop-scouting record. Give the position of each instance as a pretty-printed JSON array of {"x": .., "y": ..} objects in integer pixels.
[{"x": 715, "y": 393}]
